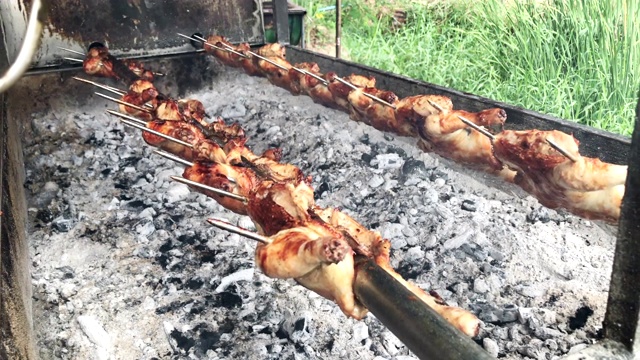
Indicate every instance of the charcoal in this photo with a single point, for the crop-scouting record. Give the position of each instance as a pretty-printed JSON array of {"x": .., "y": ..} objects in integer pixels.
[{"x": 139, "y": 256}]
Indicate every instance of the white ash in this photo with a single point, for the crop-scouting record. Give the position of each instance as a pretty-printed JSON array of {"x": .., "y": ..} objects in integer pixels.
[{"x": 116, "y": 241}]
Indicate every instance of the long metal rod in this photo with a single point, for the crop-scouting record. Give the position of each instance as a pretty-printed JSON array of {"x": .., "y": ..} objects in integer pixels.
[
  {"x": 427, "y": 334},
  {"x": 338, "y": 27},
  {"x": 238, "y": 230},
  {"x": 209, "y": 188},
  {"x": 622, "y": 319}
]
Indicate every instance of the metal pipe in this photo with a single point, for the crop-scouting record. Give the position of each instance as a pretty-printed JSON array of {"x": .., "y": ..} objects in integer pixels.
[
  {"x": 420, "y": 328},
  {"x": 281, "y": 20},
  {"x": 338, "y": 26},
  {"x": 29, "y": 46},
  {"x": 622, "y": 319}
]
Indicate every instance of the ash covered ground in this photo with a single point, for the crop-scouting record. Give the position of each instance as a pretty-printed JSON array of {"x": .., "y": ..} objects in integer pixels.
[{"x": 125, "y": 267}]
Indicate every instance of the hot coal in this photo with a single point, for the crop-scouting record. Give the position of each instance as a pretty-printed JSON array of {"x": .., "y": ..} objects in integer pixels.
[{"x": 163, "y": 284}]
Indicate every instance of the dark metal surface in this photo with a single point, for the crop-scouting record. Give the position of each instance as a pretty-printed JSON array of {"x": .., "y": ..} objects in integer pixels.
[
  {"x": 420, "y": 328},
  {"x": 607, "y": 146},
  {"x": 281, "y": 17},
  {"x": 134, "y": 27},
  {"x": 623, "y": 307},
  {"x": 338, "y": 27}
]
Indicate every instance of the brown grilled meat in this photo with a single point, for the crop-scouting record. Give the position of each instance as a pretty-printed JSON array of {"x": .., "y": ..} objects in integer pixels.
[
  {"x": 371, "y": 244},
  {"x": 318, "y": 258},
  {"x": 176, "y": 129},
  {"x": 442, "y": 132},
  {"x": 588, "y": 187},
  {"x": 340, "y": 91},
  {"x": 233, "y": 179}
]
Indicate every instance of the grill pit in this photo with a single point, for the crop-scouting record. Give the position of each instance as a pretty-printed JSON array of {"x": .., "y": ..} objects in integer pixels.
[{"x": 118, "y": 248}]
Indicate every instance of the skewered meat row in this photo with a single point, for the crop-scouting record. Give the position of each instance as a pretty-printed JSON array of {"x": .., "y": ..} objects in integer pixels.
[
  {"x": 587, "y": 187},
  {"x": 278, "y": 206},
  {"x": 280, "y": 209},
  {"x": 440, "y": 130},
  {"x": 99, "y": 62}
]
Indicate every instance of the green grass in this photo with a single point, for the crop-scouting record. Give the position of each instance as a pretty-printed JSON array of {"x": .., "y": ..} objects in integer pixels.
[{"x": 575, "y": 59}]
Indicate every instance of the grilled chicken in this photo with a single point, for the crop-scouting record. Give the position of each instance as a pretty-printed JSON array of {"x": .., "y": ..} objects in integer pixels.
[
  {"x": 264, "y": 166},
  {"x": 318, "y": 258},
  {"x": 99, "y": 62},
  {"x": 277, "y": 206},
  {"x": 138, "y": 69},
  {"x": 169, "y": 110},
  {"x": 220, "y": 130},
  {"x": 340, "y": 91},
  {"x": 141, "y": 93},
  {"x": 442, "y": 132},
  {"x": 588, "y": 187},
  {"x": 226, "y": 57},
  {"x": 277, "y": 75},
  {"x": 372, "y": 112},
  {"x": 299, "y": 84},
  {"x": 176, "y": 129},
  {"x": 371, "y": 244},
  {"x": 193, "y": 109},
  {"x": 233, "y": 179},
  {"x": 318, "y": 91}
]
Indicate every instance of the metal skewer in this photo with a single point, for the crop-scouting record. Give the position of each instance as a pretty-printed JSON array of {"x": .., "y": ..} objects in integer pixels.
[
  {"x": 102, "y": 86},
  {"x": 71, "y": 51},
  {"x": 128, "y": 117},
  {"x": 209, "y": 188},
  {"x": 174, "y": 158},
  {"x": 73, "y": 59},
  {"x": 238, "y": 230},
  {"x": 323, "y": 81},
  {"x": 337, "y": 78},
  {"x": 124, "y": 103},
  {"x": 184, "y": 162},
  {"x": 435, "y": 105},
  {"x": 157, "y": 133},
  {"x": 561, "y": 150}
]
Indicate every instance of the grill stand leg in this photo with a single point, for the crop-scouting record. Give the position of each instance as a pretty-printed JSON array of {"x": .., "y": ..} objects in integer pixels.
[
  {"x": 621, "y": 320},
  {"x": 281, "y": 20}
]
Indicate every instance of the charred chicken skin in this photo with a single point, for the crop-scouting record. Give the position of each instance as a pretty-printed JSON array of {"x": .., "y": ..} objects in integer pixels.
[
  {"x": 587, "y": 187},
  {"x": 318, "y": 258},
  {"x": 238, "y": 153},
  {"x": 277, "y": 206}
]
